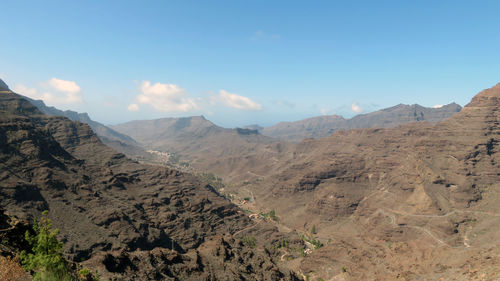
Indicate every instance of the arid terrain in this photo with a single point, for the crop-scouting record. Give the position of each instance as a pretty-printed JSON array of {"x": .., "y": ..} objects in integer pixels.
[
  {"x": 127, "y": 220},
  {"x": 416, "y": 202},
  {"x": 405, "y": 193}
]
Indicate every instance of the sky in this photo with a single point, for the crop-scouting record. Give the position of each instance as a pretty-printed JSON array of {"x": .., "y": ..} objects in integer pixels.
[{"x": 247, "y": 62}]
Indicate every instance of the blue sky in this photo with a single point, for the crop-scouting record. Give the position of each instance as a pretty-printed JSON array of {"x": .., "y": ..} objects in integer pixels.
[{"x": 247, "y": 62}]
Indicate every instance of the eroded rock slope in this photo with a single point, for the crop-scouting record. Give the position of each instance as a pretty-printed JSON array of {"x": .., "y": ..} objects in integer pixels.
[{"x": 129, "y": 221}]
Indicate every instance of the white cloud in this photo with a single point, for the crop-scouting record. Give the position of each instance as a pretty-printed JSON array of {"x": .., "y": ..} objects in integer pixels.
[
  {"x": 133, "y": 107},
  {"x": 165, "y": 97},
  {"x": 237, "y": 101},
  {"x": 438, "y": 106},
  {"x": 66, "y": 92},
  {"x": 29, "y": 92},
  {"x": 64, "y": 86},
  {"x": 324, "y": 111},
  {"x": 356, "y": 108}
]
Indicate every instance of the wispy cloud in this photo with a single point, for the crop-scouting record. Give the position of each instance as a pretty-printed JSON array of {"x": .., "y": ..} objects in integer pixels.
[
  {"x": 261, "y": 35},
  {"x": 173, "y": 98},
  {"x": 55, "y": 92},
  {"x": 133, "y": 107},
  {"x": 437, "y": 105},
  {"x": 238, "y": 102},
  {"x": 164, "y": 97}
]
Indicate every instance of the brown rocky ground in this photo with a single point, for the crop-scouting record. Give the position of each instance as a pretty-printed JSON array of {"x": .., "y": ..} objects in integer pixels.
[
  {"x": 130, "y": 221},
  {"x": 416, "y": 202}
]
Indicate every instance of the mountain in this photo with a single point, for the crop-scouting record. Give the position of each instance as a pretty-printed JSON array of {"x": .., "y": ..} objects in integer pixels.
[
  {"x": 254, "y": 127},
  {"x": 244, "y": 154},
  {"x": 101, "y": 130},
  {"x": 231, "y": 153},
  {"x": 3, "y": 86},
  {"x": 120, "y": 142},
  {"x": 316, "y": 127},
  {"x": 414, "y": 202},
  {"x": 322, "y": 126},
  {"x": 127, "y": 220}
]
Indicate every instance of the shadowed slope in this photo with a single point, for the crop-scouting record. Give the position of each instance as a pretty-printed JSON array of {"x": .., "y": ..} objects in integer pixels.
[{"x": 124, "y": 218}]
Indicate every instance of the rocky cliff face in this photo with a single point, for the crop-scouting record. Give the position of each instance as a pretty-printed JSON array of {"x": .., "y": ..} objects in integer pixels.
[
  {"x": 132, "y": 222},
  {"x": 415, "y": 201},
  {"x": 120, "y": 142}
]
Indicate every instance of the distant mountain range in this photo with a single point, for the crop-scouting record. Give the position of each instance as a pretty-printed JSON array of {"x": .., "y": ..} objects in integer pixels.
[
  {"x": 323, "y": 126},
  {"x": 232, "y": 153},
  {"x": 205, "y": 145},
  {"x": 389, "y": 201}
]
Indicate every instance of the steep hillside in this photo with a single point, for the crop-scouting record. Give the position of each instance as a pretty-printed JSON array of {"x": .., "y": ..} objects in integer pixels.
[
  {"x": 414, "y": 202},
  {"x": 120, "y": 142},
  {"x": 129, "y": 221},
  {"x": 3, "y": 86},
  {"x": 235, "y": 154},
  {"x": 98, "y": 128},
  {"x": 322, "y": 126}
]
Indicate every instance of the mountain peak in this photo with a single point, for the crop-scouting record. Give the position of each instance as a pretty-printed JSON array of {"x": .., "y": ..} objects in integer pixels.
[
  {"x": 486, "y": 97},
  {"x": 3, "y": 85}
]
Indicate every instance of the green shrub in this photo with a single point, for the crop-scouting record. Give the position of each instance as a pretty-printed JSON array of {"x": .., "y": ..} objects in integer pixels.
[
  {"x": 282, "y": 244},
  {"x": 315, "y": 242},
  {"x": 271, "y": 215},
  {"x": 249, "y": 241},
  {"x": 86, "y": 274},
  {"x": 46, "y": 258},
  {"x": 301, "y": 251}
]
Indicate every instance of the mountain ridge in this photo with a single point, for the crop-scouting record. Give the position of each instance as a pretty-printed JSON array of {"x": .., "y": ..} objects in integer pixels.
[
  {"x": 204, "y": 145},
  {"x": 100, "y": 129},
  {"x": 3, "y": 86},
  {"x": 127, "y": 220},
  {"x": 322, "y": 126}
]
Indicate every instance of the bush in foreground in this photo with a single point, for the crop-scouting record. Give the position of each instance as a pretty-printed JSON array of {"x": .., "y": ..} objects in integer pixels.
[{"x": 46, "y": 259}]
